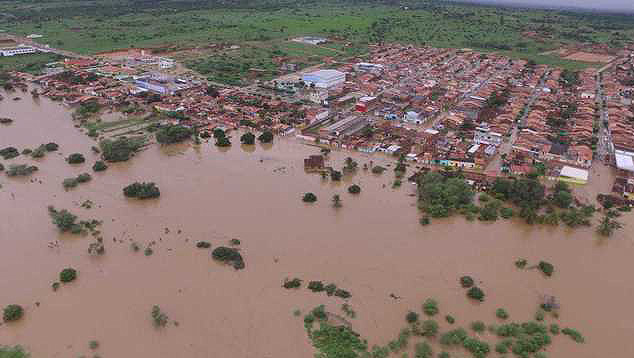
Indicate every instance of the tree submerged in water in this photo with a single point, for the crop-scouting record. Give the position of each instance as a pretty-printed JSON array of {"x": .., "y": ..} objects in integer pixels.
[
  {"x": 142, "y": 191},
  {"x": 228, "y": 255},
  {"x": 608, "y": 226},
  {"x": 173, "y": 134}
]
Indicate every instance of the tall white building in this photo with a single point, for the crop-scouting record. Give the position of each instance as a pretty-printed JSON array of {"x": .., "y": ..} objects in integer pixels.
[
  {"x": 484, "y": 135},
  {"x": 19, "y": 50}
]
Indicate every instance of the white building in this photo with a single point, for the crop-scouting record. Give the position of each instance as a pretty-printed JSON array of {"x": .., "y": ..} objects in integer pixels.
[
  {"x": 324, "y": 78},
  {"x": 484, "y": 135},
  {"x": 165, "y": 63},
  {"x": 19, "y": 50}
]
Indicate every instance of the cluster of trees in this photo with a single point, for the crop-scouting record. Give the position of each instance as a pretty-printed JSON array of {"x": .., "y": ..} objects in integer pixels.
[
  {"x": 440, "y": 195},
  {"x": 173, "y": 134},
  {"x": 120, "y": 149},
  {"x": 221, "y": 138},
  {"x": 228, "y": 255},
  {"x": 76, "y": 158},
  {"x": 142, "y": 191},
  {"x": 70, "y": 183},
  {"x": 21, "y": 170}
]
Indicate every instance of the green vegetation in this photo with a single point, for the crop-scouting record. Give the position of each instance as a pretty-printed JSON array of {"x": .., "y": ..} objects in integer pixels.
[
  {"x": 120, "y": 149},
  {"x": 440, "y": 195},
  {"x": 430, "y": 307},
  {"x": 32, "y": 63},
  {"x": 93, "y": 345},
  {"x": 266, "y": 137},
  {"x": 173, "y": 134},
  {"x": 309, "y": 198},
  {"x": 573, "y": 334},
  {"x": 12, "y": 313},
  {"x": 466, "y": 281},
  {"x": 76, "y": 158},
  {"x": 608, "y": 226},
  {"x": 336, "y": 201},
  {"x": 9, "y": 153},
  {"x": 51, "y": 147},
  {"x": 411, "y": 317},
  {"x": 478, "y": 326},
  {"x": 354, "y": 189},
  {"x": 475, "y": 293},
  {"x": 450, "y": 319},
  {"x": 546, "y": 267},
  {"x": 203, "y": 245},
  {"x": 521, "y": 263},
  {"x": 21, "y": 170},
  {"x": 378, "y": 169},
  {"x": 64, "y": 220},
  {"x": 228, "y": 255},
  {"x": 159, "y": 318},
  {"x": 13, "y": 352},
  {"x": 142, "y": 191},
  {"x": 247, "y": 138},
  {"x": 294, "y": 283},
  {"x": 99, "y": 166},
  {"x": 69, "y": 183},
  {"x": 67, "y": 275},
  {"x": 501, "y": 313}
]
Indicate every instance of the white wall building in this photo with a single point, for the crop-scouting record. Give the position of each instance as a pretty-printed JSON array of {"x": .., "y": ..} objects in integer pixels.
[
  {"x": 19, "y": 50},
  {"x": 484, "y": 135},
  {"x": 165, "y": 63},
  {"x": 324, "y": 78}
]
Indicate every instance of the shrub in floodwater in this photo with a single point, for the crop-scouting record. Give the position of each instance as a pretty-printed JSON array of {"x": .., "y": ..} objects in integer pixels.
[
  {"x": 51, "y": 147},
  {"x": 12, "y": 313},
  {"x": 574, "y": 334},
  {"x": 69, "y": 183},
  {"x": 443, "y": 355},
  {"x": 411, "y": 317},
  {"x": 309, "y": 198},
  {"x": 354, "y": 189},
  {"x": 476, "y": 293},
  {"x": 21, "y": 170},
  {"x": 9, "y": 153},
  {"x": 429, "y": 328},
  {"x": 430, "y": 307},
  {"x": 39, "y": 152},
  {"x": 554, "y": 329},
  {"x": 450, "y": 319},
  {"x": 501, "y": 313},
  {"x": 335, "y": 175},
  {"x": 378, "y": 169},
  {"x": 223, "y": 142},
  {"x": 13, "y": 352},
  {"x": 316, "y": 286},
  {"x": 294, "y": 283},
  {"x": 228, "y": 255},
  {"x": 506, "y": 212},
  {"x": 55, "y": 286},
  {"x": 247, "y": 138},
  {"x": 330, "y": 289},
  {"x": 539, "y": 315},
  {"x": 142, "y": 191},
  {"x": 425, "y": 221},
  {"x": 76, "y": 158},
  {"x": 84, "y": 178},
  {"x": 521, "y": 263},
  {"x": 64, "y": 220},
  {"x": 93, "y": 345},
  {"x": 477, "y": 348},
  {"x": 148, "y": 251},
  {"x": 234, "y": 242},
  {"x": 159, "y": 318},
  {"x": 96, "y": 248},
  {"x": 99, "y": 166},
  {"x": 203, "y": 245},
  {"x": 341, "y": 293},
  {"x": 454, "y": 337},
  {"x": 266, "y": 137},
  {"x": 466, "y": 281},
  {"x": 546, "y": 267},
  {"x": 67, "y": 275},
  {"x": 478, "y": 326}
]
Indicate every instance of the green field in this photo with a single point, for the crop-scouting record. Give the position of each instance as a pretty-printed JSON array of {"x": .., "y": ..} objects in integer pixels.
[
  {"x": 31, "y": 63},
  {"x": 90, "y": 27}
]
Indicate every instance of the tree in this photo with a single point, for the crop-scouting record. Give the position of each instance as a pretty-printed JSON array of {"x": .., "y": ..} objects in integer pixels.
[
  {"x": 335, "y": 175},
  {"x": 75, "y": 158},
  {"x": 309, "y": 198},
  {"x": 142, "y": 190},
  {"x": 173, "y": 134},
  {"x": 266, "y": 137},
  {"x": 350, "y": 164},
  {"x": 67, "y": 275},
  {"x": 99, "y": 166},
  {"x": 159, "y": 318},
  {"x": 354, "y": 189},
  {"x": 336, "y": 201},
  {"x": 120, "y": 149},
  {"x": 64, "y": 220},
  {"x": 12, "y": 313},
  {"x": 608, "y": 226},
  {"x": 247, "y": 138},
  {"x": 475, "y": 293}
]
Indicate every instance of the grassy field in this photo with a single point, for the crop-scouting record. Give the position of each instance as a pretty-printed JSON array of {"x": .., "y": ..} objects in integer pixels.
[
  {"x": 90, "y": 27},
  {"x": 31, "y": 63}
]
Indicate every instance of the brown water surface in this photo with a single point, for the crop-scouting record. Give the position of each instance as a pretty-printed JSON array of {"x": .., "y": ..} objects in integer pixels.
[{"x": 373, "y": 246}]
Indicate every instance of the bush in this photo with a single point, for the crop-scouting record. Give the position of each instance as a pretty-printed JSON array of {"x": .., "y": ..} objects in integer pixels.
[
  {"x": 173, "y": 134},
  {"x": 424, "y": 221},
  {"x": 539, "y": 315},
  {"x": 9, "y": 152},
  {"x": 521, "y": 263},
  {"x": 378, "y": 169},
  {"x": 429, "y": 328},
  {"x": 294, "y": 283},
  {"x": 228, "y": 255},
  {"x": 475, "y": 293},
  {"x": 574, "y": 334},
  {"x": 335, "y": 175},
  {"x": 247, "y": 138},
  {"x": 99, "y": 166},
  {"x": 266, "y": 137},
  {"x": 51, "y": 147},
  {"x": 69, "y": 183},
  {"x": 554, "y": 329},
  {"x": 12, "y": 313},
  {"x": 330, "y": 289},
  {"x": 341, "y": 293},
  {"x": 466, "y": 281},
  {"x": 501, "y": 313},
  {"x": 39, "y": 152},
  {"x": 506, "y": 212},
  {"x": 13, "y": 352},
  {"x": 234, "y": 242},
  {"x": 450, "y": 319},
  {"x": 83, "y": 178},
  {"x": 159, "y": 318},
  {"x": 64, "y": 220},
  {"x": 546, "y": 268},
  {"x": 203, "y": 245},
  {"x": 354, "y": 189},
  {"x": 430, "y": 307},
  {"x": 477, "y": 348},
  {"x": 76, "y": 158},
  {"x": 411, "y": 317},
  {"x": 21, "y": 170},
  {"x": 422, "y": 350},
  {"x": 478, "y": 326},
  {"x": 316, "y": 286},
  {"x": 68, "y": 275},
  {"x": 142, "y": 191},
  {"x": 309, "y": 198},
  {"x": 223, "y": 142},
  {"x": 454, "y": 337}
]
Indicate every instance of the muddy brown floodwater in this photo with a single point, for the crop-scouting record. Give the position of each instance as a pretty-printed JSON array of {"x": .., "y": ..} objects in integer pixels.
[{"x": 373, "y": 246}]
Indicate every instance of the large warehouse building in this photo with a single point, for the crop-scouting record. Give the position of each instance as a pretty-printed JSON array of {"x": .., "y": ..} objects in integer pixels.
[{"x": 324, "y": 78}]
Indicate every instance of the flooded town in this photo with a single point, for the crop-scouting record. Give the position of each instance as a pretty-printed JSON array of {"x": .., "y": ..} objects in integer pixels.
[{"x": 151, "y": 212}]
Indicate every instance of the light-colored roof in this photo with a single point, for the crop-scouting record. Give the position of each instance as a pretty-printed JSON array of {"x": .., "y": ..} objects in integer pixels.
[
  {"x": 624, "y": 162},
  {"x": 575, "y": 173},
  {"x": 326, "y": 74}
]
